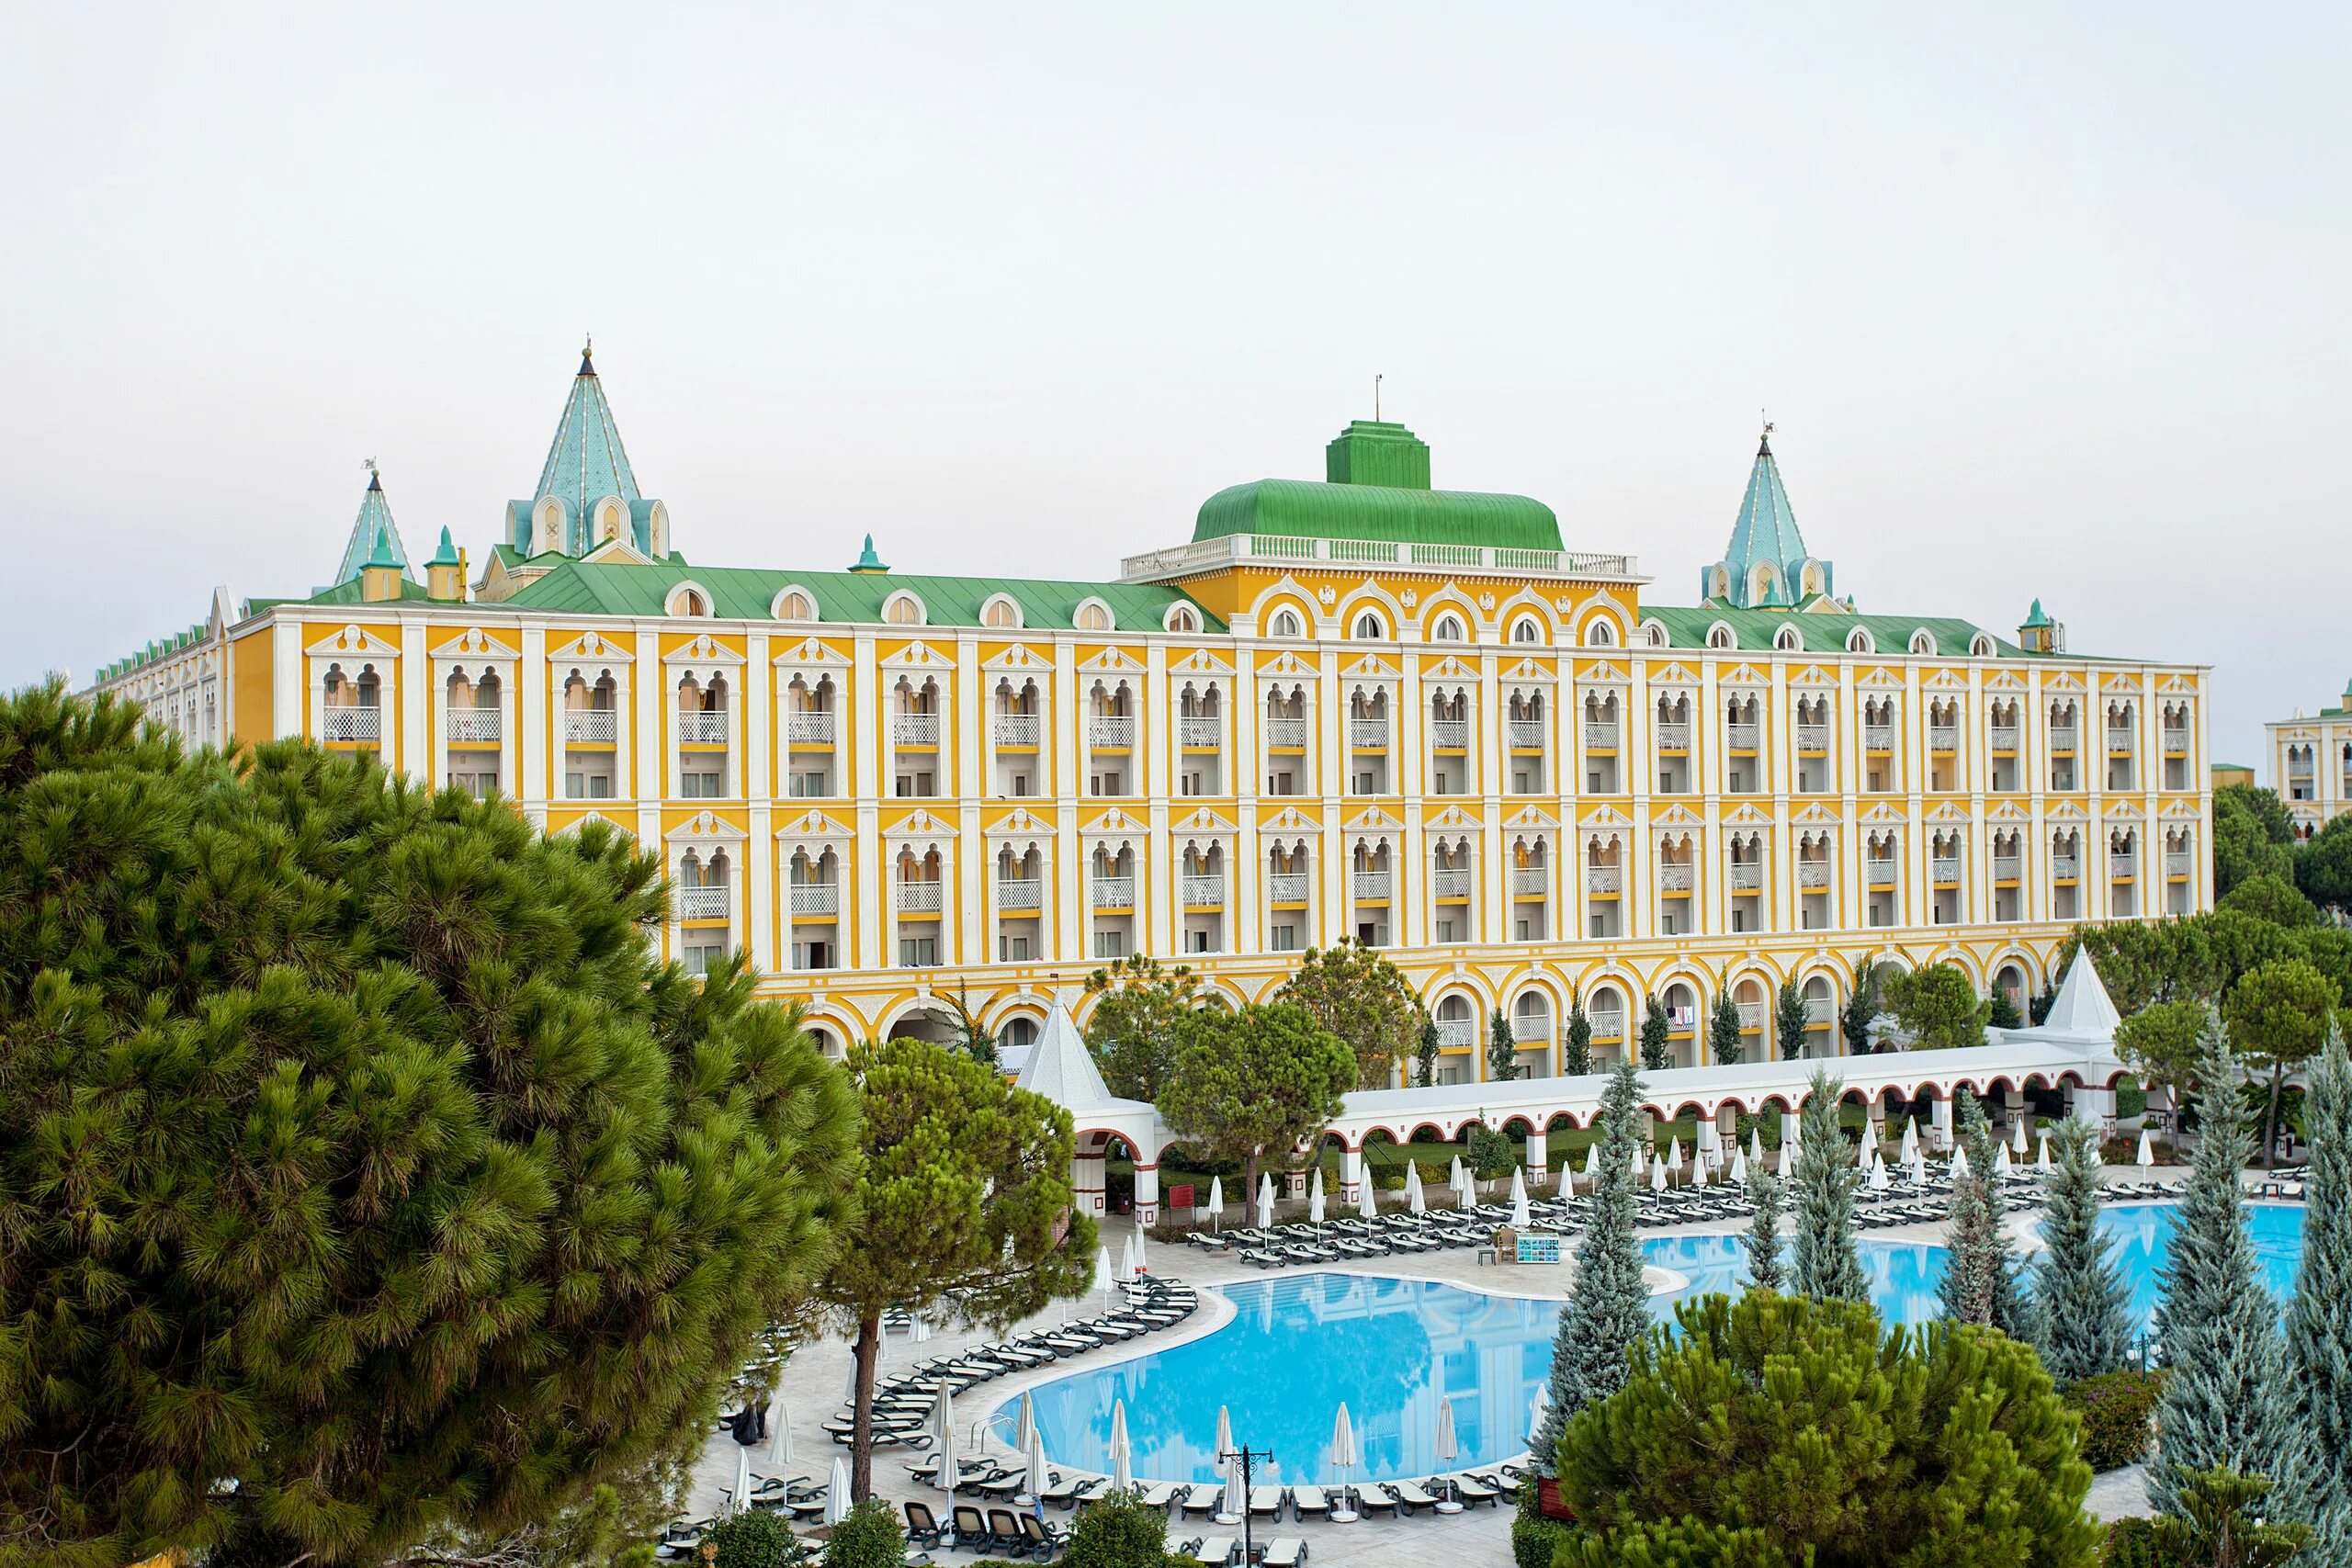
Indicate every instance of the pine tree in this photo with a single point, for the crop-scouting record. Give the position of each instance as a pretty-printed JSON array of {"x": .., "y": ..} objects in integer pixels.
[
  {"x": 2082, "y": 1307},
  {"x": 1827, "y": 1264},
  {"x": 1980, "y": 1283},
  {"x": 1764, "y": 1269},
  {"x": 1607, "y": 1305},
  {"x": 1655, "y": 1028},
  {"x": 1722, "y": 1030},
  {"x": 2228, "y": 1402},
  {"x": 1575, "y": 1046},
  {"x": 2319, "y": 1319}
]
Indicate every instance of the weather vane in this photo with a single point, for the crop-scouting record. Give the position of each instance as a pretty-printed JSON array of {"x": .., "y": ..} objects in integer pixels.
[
  {"x": 1767, "y": 423},
  {"x": 368, "y": 464}
]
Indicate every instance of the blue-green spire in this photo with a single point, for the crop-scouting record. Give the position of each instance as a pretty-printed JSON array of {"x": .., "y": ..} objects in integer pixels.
[
  {"x": 1767, "y": 562},
  {"x": 586, "y": 466},
  {"x": 372, "y": 534},
  {"x": 867, "y": 560},
  {"x": 448, "y": 554}
]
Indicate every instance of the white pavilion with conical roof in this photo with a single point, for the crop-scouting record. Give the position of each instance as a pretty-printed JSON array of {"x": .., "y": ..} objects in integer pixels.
[{"x": 1062, "y": 1069}]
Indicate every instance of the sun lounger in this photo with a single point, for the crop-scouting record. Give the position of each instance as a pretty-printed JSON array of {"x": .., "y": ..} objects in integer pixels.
[
  {"x": 1215, "y": 1550},
  {"x": 1041, "y": 1539},
  {"x": 971, "y": 1531},
  {"x": 1411, "y": 1494},
  {"x": 1504, "y": 1480},
  {"x": 1200, "y": 1498},
  {"x": 1160, "y": 1494},
  {"x": 1286, "y": 1552},
  {"x": 1372, "y": 1497},
  {"x": 1309, "y": 1502},
  {"x": 923, "y": 1526},
  {"x": 1266, "y": 1502},
  {"x": 1472, "y": 1492}
]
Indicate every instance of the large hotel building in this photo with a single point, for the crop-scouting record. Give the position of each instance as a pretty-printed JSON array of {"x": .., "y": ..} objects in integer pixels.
[{"x": 1355, "y": 706}]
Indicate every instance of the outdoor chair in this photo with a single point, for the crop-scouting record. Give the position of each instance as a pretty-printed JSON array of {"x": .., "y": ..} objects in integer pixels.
[
  {"x": 1470, "y": 1492},
  {"x": 1266, "y": 1502},
  {"x": 1411, "y": 1495},
  {"x": 1372, "y": 1497},
  {"x": 971, "y": 1531},
  {"x": 1042, "y": 1539},
  {"x": 1309, "y": 1502},
  {"x": 1200, "y": 1498},
  {"x": 1159, "y": 1494},
  {"x": 1286, "y": 1552},
  {"x": 923, "y": 1526},
  {"x": 1215, "y": 1550},
  {"x": 1004, "y": 1530}
]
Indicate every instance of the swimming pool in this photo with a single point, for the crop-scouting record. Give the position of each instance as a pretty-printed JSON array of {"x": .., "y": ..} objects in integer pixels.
[{"x": 1299, "y": 1344}]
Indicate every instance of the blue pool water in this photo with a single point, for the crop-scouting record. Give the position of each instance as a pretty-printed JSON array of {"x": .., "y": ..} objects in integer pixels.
[{"x": 1299, "y": 1344}]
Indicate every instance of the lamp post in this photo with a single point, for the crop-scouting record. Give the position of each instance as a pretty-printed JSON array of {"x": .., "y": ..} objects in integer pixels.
[{"x": 1247, "y": 1456}]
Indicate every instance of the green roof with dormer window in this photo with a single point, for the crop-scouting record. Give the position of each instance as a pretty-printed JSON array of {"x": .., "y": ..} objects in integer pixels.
[{"x": 1376, "y": 486}]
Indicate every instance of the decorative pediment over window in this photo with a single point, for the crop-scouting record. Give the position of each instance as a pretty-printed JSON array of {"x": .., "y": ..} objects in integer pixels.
[
  {"x": 1111, "y": 660},
  {"x": 814, "y": 824},
  {"x": 1372, "y": 819},
  {"x": 1945, "y": 680},
  {"x": 1371, "y": 667},
  {"x": 1203, "y": 820},
  {"x": 1883, "y": 815},
  {"x": 2182, "y": 811},
  {"x": 812, "y": 653},
  {"x": 2177, "y": 685},
  {"x": 1744, "y": 674},
  {"x": 1531, "y": 816},
  {"x": 916, "y": 655},
  {"x": 1674, "y": 672},
  {"x": 702, "y": 648},
  {"x": 353, "y": 642},
  {"x": 1285, "y": 664},
  {"x": 1881, "y": 679},
  {"x": 1454, "y": 818},
  {"x": 1019, "y": 656},
  {"x": 1201, "y": 661},
  {"x": 1115, "y": 820},
  {"x": 1604, "y": 816},
  {"x": 1536, "y": 669},
  {"x": 1601, "y": 673},
  {"x": 1748, "y": 816},
  {"x": 2004, "y": 680},
  {"x": 1450, "y": 667},
  {"x": 1813, "y": 816},
  {"x": 705, "y": 827},
  {"x": 475, "y": 643},
  {"x": 1945, "y": 813},
  {"x": 1812, "y": 676},
  {"x": 2008, "y": 811},
  {"x": 591, "y": 645},
  {"x": 1289, "y": 820},
  {"x": 1679, "y": 816},
  {"x": 2066, "y": 811},
  {"x": 2063, "y": 681},
  {"x": 919, "y": 820},
  {"x": 2121, "y": 811}
]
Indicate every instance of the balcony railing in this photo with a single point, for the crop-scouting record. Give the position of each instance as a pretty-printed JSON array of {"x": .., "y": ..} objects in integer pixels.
[
  {"x": 1813, "y": 737},
  {"x": 921, "y": 897},
  {"x": 1674, "y": 736},
  {"x": 1370, "y": 884},
  {"x": 2176, "y": 740},
  {"x": 1746, "y": 736},
  {"x": 1200, "y": 555},
  {"x": 2062, "y": 736},
  {"x": 1455, "y": 1033},
  {"x": 1203, "y": 891},
  {"x": 1945, "y": 869},
  {"x": 1600, "y": 737},
  {"x": 2005, "y": 737},
  {"x": 1751, "y": 1017},
  {"x": 1020, "y": 893},
  {"x": 1879, "y": 872},
  {"x": 1608, "y": 1023},
  {"x": 701, "y": 727},
  {"x": 1286, "y": 734},
  {"x": 1014, "y": 729},
  {"x": 1530, "y": 881},
  {"x": 1602, "y": 879},
  {"x": 1449, "y": 734},
  {"x": 813, "y": 728},
  {"x": 914, "y": 730},
  {"x": 1674, "y": 877},
  {"x": 2119, "y": 740},
  {"x": 2175, "y": 862},
  {"x": 1110, "y": 731},
  {"x": 1526, "y": 734},
  {"x": 1115, "y": 892},
  {"x": 816, "y": 898},
  {"x": 1819, "y": 1010},
  {"x": 355, "y": 722},
  {"x": 1878, "y": 738},
  {"x": 2119, "y": 866},
  {"x": 1813, "y": 874},
  {"x": 2006, "y": 868},
  {"x": 1368, "y": 734},
  {"x": 1532, "y": 1030},
  {"x": 1943, "y": 738},
  {"x": 1747, "y": 877},
  {"x": 1286, "y": 887},
  {"x": 708, "y": 902},
  {"x": 1451, "y": 882},
  {"x": 475, "y": 725},
  {"x": 1201, "y": 734},
  {"x": 2064, "y": 868},
  {"x": 591, "y": 727}
]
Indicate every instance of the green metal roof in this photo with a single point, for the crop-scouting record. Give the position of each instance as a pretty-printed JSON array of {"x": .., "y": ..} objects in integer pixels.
[
  {"x": 1376, "y": 486},
  {"x": 1824, "y": 632},
  {"x": 745, "y": 593}
]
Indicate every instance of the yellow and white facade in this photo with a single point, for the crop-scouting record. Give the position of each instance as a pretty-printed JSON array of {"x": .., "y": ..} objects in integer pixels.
[
  {"x": 2311, "y": 759},
  {"x": 1353, "y": 709}
]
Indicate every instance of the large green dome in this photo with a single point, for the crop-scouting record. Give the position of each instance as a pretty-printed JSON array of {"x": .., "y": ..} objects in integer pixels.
[{"x": 1378, "y": 489}]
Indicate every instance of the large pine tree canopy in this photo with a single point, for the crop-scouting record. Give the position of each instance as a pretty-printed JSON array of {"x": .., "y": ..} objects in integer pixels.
[{"x": 363, "y": 1173}]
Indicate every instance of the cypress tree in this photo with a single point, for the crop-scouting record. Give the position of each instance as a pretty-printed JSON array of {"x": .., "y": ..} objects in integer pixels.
[
  {"x": 2319, "y": 1320},
  {"x": 1764, "y": 1270},
  {"x": 1980, "y": 1283},
  {"x": 1722, "y": 1030},
  {"x": 1655, "y": 1028},
  {"x": 2228, "y": 1402},
  {"x": 2082, "y": 1307},
  {"x": 1607, "y": 1305},
  {"x": 1576, "y": 1047},
  {"x": 1827, "y": 1265}
]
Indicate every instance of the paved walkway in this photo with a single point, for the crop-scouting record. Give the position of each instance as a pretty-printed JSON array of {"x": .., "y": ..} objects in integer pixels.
[{"x": 817, "y": 1378}]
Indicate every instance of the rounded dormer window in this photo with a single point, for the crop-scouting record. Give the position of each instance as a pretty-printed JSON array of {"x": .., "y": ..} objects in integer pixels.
[
  {"x": 688, "y": 600},
  {"x": 903, "y": 610},
  {"x": 1788, "y": 639},
  {"x": 1923, "y": 642},
  {"x": 1719, "y": 636},
  {"x": 1000, "y": 612},
  {"x": 1981, "y": 646},
  {"x": 1601, "y": 633},
  {"x": 1094, "y": 617},
  {"x": 793, "y": 605},
  {"x": 1181, "y": 620},
  {"x": 1859, "y": 640}
]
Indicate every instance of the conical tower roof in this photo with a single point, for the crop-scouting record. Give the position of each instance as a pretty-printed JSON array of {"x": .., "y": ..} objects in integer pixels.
[
  {"x": 2083, "y": 1010},
  {"x": 375, "y": 540},
  {"x": 586, "y": 463},
  {"x": 1060, "y": 1067},
  {"x": 1766, "y": 528}
]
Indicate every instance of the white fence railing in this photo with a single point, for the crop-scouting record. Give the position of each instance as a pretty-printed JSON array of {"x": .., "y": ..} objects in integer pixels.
[
  {"x": 591, "y": 727},
  {"x": 914, "y": 730},
  {"x": 1813, "y": 874},
  {"x": 1205, "y": 892},
  {"x": 1813, "y": 737},
  {"x": 1115, "y": 892},
  {"x": 1674, "y": 736},
  {"x": 1286, "y": 734},
  {"x": 1744, "y": 737},
  {"x": 1945, "y": 869},
  {"x": 355, "y": 722},
  {"x": 1530, "y": 881},
  {"x": 1600, "y": 737},
  {"x": 1200, "y": 734},
  {"x": 920, "y": 897},
  {"x": 1602, "y": 879},
  {"x": 1673, "y": 877},
  {"x": 1452, "y": 883},
  {"x": 1608, "y": 1023},
  {"x": 1368, "y": 734},
  {"x": 1751, "y": 1015},
  {"x": 2063, "y": 736},
  {"x": 2005, "y": 868},
  {"x": 2119, "y": 740},
  {"x": 1747, "y": 875},
  {"x": 1020, "y": 893},
  {"x": 1014, "y": 729},
  {"x": 1943, "y": 738},
  {"x": 475, "y": 725},
  {"x": 2119, "y": 866},
  {"x": 1370, "y": 884},
  {"x": 1879, "y": 872},
  {"x": 2064, "y": 868},
  {"x": 2175, "y": 862},
  {"x": 704, "y": 903},
  {"x": 1525, "y": 734},
  {"x": 1110, "y": 732},
  {"x": 816, "y": 898},
  {"x": 1878, "y": 738},
  {"x": 808, "y": 728},
  {"x": 1286, "y": 887},
  {"x": 1449, "y": 734},
  {"x": 1454, "y": 1033},
  {"x": 2005, "y": 737},
  {"x": 701, "y": 727}
]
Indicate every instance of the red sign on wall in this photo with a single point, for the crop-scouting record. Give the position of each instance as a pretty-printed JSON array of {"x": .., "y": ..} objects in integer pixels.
[{"x": 1180, "y": 1196}]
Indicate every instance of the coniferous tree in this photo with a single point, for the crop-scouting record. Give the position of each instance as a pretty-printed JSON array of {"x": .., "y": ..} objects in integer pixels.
[
  {"x": 1722, "y": 1030},
  {"x": 1827, "y": 1264},
  {"x": 1764, "y": 1269},
  {"x": 1502, "y": 1048},
  {"x": 2228, "y": 1403},
  {"x": 1792, "y": 1016},
  {"x": 2319, "y": 1319},
  {"x": 1425, "y": 1053},
  {"x": 367, "y": 1177},
  {"x": 1608, "y": 1304},
  {"x": 1575, "y": 1046},
  {"x": 2082, "y": 1307},
  {"x": 1656, "y": 1027},
  {"x": 1980, "y": 1282}
]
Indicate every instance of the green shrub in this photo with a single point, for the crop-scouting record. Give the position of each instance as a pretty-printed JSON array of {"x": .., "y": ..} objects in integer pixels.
[
  {"x": 2132, "y": 1543},
  {"x": 1533, "y": 1537},
  {"x": 1118, "y": 1532},
  {"x": 2130, "y": 1100},
  {"x": 752, "y": 1539},
  {"x": 2116, "y": 1408},
  {"x": 869, "y": 1537}
]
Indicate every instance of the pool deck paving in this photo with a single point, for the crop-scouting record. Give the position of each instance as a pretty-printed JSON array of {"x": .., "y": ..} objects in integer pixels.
[{"x": 816, "y": 1382}]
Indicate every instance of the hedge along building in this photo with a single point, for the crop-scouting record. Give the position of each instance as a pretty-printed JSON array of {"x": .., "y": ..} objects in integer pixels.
[{"x": 1354, "y": 708}]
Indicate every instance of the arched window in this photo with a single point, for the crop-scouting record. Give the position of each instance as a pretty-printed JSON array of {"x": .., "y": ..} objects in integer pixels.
[
  {"x": 1524, "y": 629},
  {"x": 792, "y": 604},
  {"x": 689, "y": 601},
  {"x": 903, "y": 610},
  {"x": 1601, "y": 633},
  {"x": 1788, "y": 639},
  {"x": 1720, "y": 636},
  {"x": 1923, "y": 641},
  {"x": 1181, "y": 620},
  {"x": 1368, "y": 627},
  {"x": 1859, "y": 640},
  {"x": 1981, "y": 646},
  {"x": 1094, "y": 617},
  {"x": 1000, "y": 611},
  {"x": 1285, "y": 623},
  {"x": 1449, "y": 628}
]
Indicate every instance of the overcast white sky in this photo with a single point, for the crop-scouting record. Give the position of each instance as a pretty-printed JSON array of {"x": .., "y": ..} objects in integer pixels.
[{"x": 2042, "y": 302}]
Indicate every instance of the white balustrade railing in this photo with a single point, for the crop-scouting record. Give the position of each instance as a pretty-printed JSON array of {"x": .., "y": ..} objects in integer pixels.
[
  {"x": 811, "y": 727},
  {"x": 1530, "y": 881},
  {"x": 475, "y": 725},
  {"x": 1878, "y": 738},
  {"x": 2119, "y": 740},
  {"x": 1370, "y": 884},
  {"x": 1676, "y": 877},
  {"x": 1286, "y": 887},
  {"x": 1600, "y": 737},
  {"x": 1115, "y": 892},
  {"x": 1529, "y": 1030},
  {"x": 2176, "y": 740},
  {"x": 1454, "y": 1033},
  {"x": 1813, "y": 874},
  {"x": 1674, "y": 736},
  {"x": 1608, "y": 1023},
  {"x": 1286, "y": 734},
  {"x": 2175, "y": 862},
  {"x": 1451, "y": 882},
  {"x": 1813, "y": 737},
  {"x": 1751, "y": 1015},
  {"x": 2062, "y": 736},
  {"x": 1110, "y": 731},
  {"x": 355, "y": 722},
  {"x": 1747, "y": 875},
  {"x": 591, "y": 727},
  {"x": 1368, "y": 734},
  {"x": 1014, "y": 729},
  {"x": 1020, "y": 893},
  {"x": 1449, "y": 734},
  {"x": 701, "y": 727},
  {"x": 2005, "y": 737},
  {"x": 1202, "y": 892},
  {"x": 1820, "y": 1011},
  {"x": 2005, "y": 868},
  {"x": 920, "y": 897},
  {"x": 2064, "y": 868},
  {"x": 816, "y": 898},
  {"x": 1200, "y": 734},
  {"x": 708, "y": 902},
  {"x": 1526, "y": 734},
  {"x": 2119, "y": 866},
  {"x": 1943, "y": 738},
  {"x": 1879, "y": 872},
  {"x": 914, "y": 730},
  {"x": 1746, "y": 736},
  {"x": 1945, "y": 869},
  {"x": 1602, "y": 879}
]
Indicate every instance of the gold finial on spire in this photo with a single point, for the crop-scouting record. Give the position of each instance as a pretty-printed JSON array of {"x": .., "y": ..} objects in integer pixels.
[{"x": 587, "y": 355}]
